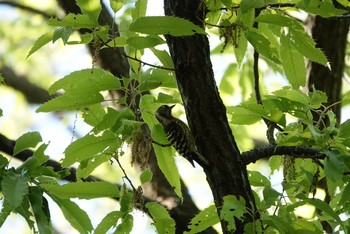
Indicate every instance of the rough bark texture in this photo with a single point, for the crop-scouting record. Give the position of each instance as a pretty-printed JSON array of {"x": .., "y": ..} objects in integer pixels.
[
  {"x": 206, "y": 114},
  {"x": 331, "y": 36}
]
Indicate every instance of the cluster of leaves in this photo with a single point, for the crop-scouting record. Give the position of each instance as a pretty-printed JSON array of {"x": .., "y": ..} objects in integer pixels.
[{"x": 279, "y": 38}]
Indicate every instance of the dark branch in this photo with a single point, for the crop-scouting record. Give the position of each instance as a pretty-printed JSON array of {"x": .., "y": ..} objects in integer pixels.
[
  {"x": 270, "y": 150},
  {"x": 26, "y": 8}
]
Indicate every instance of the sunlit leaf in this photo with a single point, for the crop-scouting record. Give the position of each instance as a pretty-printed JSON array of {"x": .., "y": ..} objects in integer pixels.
[
  {"x": 162, "y": 220},
  {"x": 161, "y": 25},
  {"x": 27, "y": 140},
  {"x": 83, "y": 190},
  {"x": 203, "y": 220}
]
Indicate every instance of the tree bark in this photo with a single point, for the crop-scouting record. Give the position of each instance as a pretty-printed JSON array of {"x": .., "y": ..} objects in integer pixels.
[{"x": 206, "y": 113}]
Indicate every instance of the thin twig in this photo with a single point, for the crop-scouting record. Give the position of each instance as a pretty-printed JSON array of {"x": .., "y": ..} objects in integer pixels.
[
  {"x": 125, "y": 175},
  {"x": 148, "y": 64},
  {"x": 160, "y": 144}
]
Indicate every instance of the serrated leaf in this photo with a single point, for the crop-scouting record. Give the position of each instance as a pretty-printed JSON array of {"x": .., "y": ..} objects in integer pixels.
[
  {"x": 249, "y": 4},
  {"x": 27, "y": 140},
  {"x": 82, "y": 88},
  {"x": 87, "y": 147},
  {"x": 74, "y": 20},
  {"x": 278, "y": 19},
  {"x": 116, "y": 5},
  {"x": 63, "y": 33},
  {"x": 257, "y": 179},
  {"x": 71, "y": 102},
  {"x": 232, "y": 208},
  {"x": 334, "y": 166},
  {"x": 83, "y": 190},
  {"x": 166, "y": 98},
  {"x": 40, "y": 42},
  {"x": 166, "y": 161},
  {"x": 293, "y": 63},
  {"x": 163, "y": 57},
  {"x": 242, "y": 116},
  {"x": 140, "y": 9},
  {"x": 306, "y": 46},
  {"x": 93, "y": 114},
  {"x": 14, "y": 188},
  {"x": 241, "y": 49},
  {"x": 262, "y": 45},
  {"x": 92, "y": 8},
  {"x": 74, "y": 215},
  {"x": 110, "y": 220},
  {"x": 40, "y": 208},
  {"x": 162, "y": 220},
  {"x": 322, "y": 8},
  {"x": 203, "y": 220},
  {"x": 161, "y": 25},
  {"x": 86, "y": 80},
  {"x": 321, "y": 205},
  {"x": 126, "y": 225},
  {"x": 87, "y": 166},
  {"x": 146, "y": 176},
  {"x": 144, "y": 42}
]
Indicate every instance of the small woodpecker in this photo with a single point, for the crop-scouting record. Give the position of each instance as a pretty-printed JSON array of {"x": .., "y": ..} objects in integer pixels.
[{"x": 179, "y": 135}]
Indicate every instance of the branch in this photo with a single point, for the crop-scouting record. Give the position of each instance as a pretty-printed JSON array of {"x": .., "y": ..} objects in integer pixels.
[
  {"x": 270, "y": 150},
  {"x": 32, "y": 92},
  {"x": 27, "y": 8}
]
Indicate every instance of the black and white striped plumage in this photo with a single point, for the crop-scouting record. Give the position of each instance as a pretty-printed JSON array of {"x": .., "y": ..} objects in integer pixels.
[{"x": 178, "y": 134}]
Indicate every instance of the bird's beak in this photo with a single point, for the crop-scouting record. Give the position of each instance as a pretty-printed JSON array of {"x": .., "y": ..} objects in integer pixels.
[{"x": 171, "y": 107}]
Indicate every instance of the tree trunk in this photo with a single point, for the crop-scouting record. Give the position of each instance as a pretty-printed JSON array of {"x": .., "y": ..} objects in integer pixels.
[{"x": 206, "y": 113}]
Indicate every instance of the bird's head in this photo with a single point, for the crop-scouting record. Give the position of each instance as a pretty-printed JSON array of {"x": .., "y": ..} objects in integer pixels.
[{"x": 164, "y": 112}]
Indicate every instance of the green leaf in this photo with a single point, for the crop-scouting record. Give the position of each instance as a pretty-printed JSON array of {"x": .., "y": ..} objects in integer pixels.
[
  {"x": 166, "y": 98},
  {"x": 262, "y": 44},
  {"x": 232, "y": 208},
  {"x": 71, "y": 102},
  {"x": 87, "y": 147},
  {"x": 92, "y": 8},
  {"x": 63, "y": 33},
  {"x": 203, "y": 220},
  {"x": 280, "y": 20},
  {"x": 161, "y": 25},
  {"x": 241, "y": 49},
  {"x": 249, "y": 4},
  {"x": 93, "y": 114},
  {"x": 306, "y": 46},
  {"x": 334, "y": 166},
  {"x": 14, "y": 188},
  {"x": 275, "y": 163},
  {"x": 322, "y": 8},
  {"x": 163, "y": 57},
  {"x": 86, "y": 81},
  {"x": 241, "y": 115},
  {"x": 74, "y": 215},
  {"x": 140, "y": 9},
  {"x": 109, "y": 221},
  {"x": 293, "y": 63},
  {"x": 126, "y": 225},
  {"x": 165, "y": 78},
  {"x": 146, "y": 176},
  {"x": 144, "y": 42},
  {"x": 109, "y": 120},
  {"x": 87, "y": 166},
  {"x": 40, "y": 208},
  {"x": 40, "y": 42},
  {"x": 83, "y": 190},
  {"x": 279, "y": 223},
  {"x": 166, "y": 161},
  {"x": 81, "y": 89},
  {"x": 344, "y": 132},
  {"x": 126, "y": 200},
  {"x": 27, "y": 140},
  {"x": 257, "y": 179},
  {"x": 116, "y": 5},
  {"x": 162, "y": 220},
  {"x": 319, "y": 204},
  {"x": 76, "y": 21}
]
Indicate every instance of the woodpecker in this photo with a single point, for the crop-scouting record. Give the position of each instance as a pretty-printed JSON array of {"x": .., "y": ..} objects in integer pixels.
[{"x": 179, "y": 135}]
